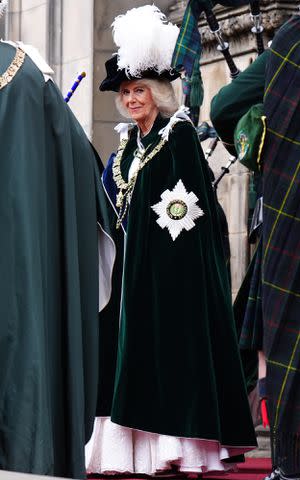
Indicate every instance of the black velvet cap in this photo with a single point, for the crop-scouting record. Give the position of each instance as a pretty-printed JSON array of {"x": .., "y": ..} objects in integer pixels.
[{"x": 114, "y": 76}]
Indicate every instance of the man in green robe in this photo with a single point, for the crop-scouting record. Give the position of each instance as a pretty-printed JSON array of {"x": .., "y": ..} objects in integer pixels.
[{"x": 49, "y": 206}]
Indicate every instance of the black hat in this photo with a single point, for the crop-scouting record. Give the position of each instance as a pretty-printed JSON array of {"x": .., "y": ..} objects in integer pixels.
[
  {"x": 115, "y": 76},
  {"x": 145, "y": 42}
]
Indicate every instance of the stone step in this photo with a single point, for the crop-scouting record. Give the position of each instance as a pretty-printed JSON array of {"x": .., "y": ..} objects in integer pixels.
[{"x": 263, "y": 439}]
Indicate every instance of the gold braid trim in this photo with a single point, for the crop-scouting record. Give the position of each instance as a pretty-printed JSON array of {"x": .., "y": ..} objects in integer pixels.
[{"x": 13, "y": 68}]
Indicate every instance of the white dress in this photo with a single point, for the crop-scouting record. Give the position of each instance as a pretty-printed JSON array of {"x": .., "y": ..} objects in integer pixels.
[{"x": 116, "y": 449}]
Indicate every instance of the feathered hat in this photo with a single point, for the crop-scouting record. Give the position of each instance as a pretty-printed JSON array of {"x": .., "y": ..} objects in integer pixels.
[
  {"x": 3, "y": 5},
  {"x": 145, "y": 42}
]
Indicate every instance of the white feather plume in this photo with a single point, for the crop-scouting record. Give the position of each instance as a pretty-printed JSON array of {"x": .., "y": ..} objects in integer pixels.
[
  {"x": 145, "y": 40},
  {"x": 3, "y": 5}
]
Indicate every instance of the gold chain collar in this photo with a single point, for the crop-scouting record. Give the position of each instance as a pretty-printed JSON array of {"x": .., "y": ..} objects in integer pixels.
[
  {"x": 125, "y": 188},
  {"x": 13, "y": 68}
]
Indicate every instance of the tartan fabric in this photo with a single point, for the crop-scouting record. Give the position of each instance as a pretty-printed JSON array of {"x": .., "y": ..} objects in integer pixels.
[
  {"x": 281, "y": 245},
  {"x": 188, "y": 45}
]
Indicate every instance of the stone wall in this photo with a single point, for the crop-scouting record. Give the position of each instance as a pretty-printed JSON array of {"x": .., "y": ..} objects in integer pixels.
[{"x": 62, "y": 30}]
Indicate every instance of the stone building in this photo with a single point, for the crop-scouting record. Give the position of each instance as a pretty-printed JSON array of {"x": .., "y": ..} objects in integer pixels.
[{"x": 75, "y": 36}]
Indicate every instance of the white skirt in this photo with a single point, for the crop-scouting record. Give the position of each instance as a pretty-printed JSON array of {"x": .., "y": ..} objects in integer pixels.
[{"x": 115, "y": 449}]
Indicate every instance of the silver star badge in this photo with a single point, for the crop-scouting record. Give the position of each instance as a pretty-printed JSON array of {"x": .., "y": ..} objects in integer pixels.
[{"x": 177, "y": 210}]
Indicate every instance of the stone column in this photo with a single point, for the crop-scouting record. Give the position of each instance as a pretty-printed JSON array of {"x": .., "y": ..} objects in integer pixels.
[{"x": 77, "y": 19}]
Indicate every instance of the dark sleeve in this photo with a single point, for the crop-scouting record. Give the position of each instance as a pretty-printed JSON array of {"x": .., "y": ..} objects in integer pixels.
[{"x": 235, "y": 99}]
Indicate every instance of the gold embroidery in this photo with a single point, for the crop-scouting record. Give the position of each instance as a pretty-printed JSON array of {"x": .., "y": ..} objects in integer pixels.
[{"x": 13, "y": 68}]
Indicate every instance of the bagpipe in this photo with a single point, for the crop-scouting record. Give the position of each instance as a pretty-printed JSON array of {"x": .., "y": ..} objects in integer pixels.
[{"x": 187, "y": 55}]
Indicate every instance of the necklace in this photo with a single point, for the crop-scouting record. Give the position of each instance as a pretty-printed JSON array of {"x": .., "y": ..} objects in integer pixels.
[{"x": 125, "y": 189}]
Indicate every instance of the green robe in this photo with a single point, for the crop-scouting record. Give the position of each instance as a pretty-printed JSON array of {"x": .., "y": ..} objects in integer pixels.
[
  {"x": 178, "y": 369},
  {"x": 49, "y": 278}
]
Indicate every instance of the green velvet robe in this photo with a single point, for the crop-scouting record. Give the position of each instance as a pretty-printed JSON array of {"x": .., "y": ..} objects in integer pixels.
[
  {"x": 49, "y": 205},
  {"x": 178, "y": 369}
]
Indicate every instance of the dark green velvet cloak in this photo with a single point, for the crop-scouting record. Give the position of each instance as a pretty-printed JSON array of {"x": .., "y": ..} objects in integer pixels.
[
  {"x": 49, "y": 278},
  {"x": 178, "y": 368}
]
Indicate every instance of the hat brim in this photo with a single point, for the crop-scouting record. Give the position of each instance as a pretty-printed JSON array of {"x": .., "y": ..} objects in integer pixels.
[{"x": 116, "y": 77}]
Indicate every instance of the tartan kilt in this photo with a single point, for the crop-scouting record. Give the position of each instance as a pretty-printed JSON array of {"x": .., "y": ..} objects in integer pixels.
[{"x": 281, "y": 245}]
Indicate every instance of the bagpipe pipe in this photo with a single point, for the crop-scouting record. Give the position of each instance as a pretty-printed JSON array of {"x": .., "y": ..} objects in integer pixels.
[
  {"x": 223, "y": 46},
  {"x": 187, "y": 57}
]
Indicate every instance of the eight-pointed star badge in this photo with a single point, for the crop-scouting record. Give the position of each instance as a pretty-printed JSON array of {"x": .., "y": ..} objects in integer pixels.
[{"x": 177, "y": 210}]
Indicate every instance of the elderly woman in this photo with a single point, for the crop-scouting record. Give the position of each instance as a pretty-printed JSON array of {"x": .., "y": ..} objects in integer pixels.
[{"x": 172, "y": 394}]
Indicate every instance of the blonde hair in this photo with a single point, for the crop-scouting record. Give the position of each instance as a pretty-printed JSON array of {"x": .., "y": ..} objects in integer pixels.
[{"x": 162, "y": 93}]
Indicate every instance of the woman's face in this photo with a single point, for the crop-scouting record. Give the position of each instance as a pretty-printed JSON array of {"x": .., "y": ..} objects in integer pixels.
[{"x": 137, "y": 99}]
